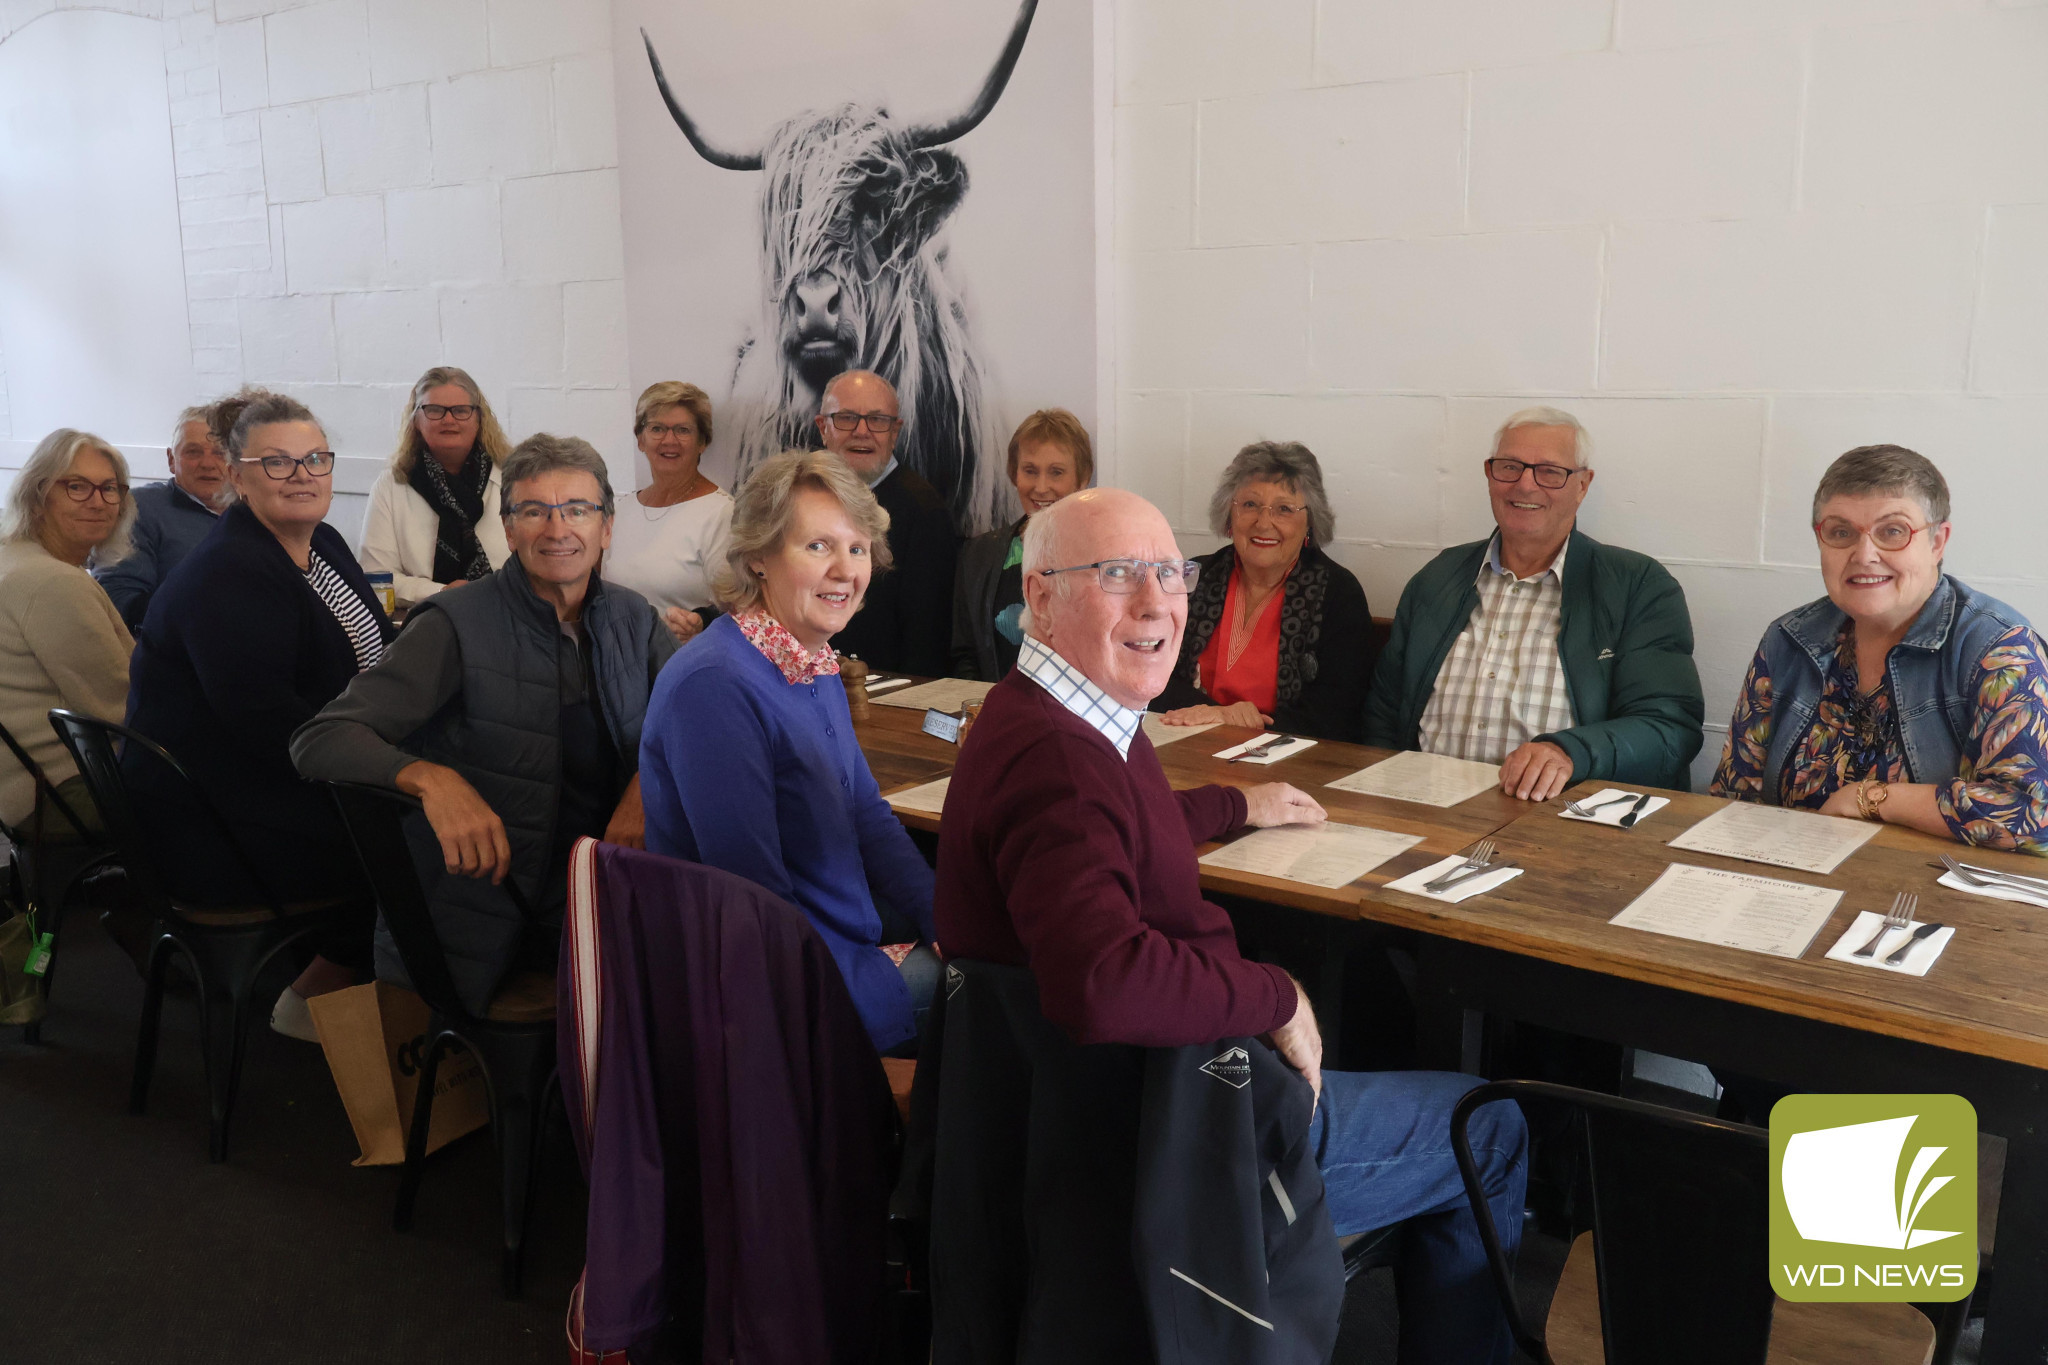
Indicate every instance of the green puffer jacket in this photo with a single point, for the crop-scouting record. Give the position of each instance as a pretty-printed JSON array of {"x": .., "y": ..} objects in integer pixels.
[{"x": 1626, "y": 644}]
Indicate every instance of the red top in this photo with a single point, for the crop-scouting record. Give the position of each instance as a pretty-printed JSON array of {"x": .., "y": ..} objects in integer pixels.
[
  {"x": 1060, "y": 855},
  {"x": 1256, "y": 675}
]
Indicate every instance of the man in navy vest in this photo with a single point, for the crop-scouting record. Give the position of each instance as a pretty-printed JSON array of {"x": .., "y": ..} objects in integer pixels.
[{"x": 511, "y": 707}]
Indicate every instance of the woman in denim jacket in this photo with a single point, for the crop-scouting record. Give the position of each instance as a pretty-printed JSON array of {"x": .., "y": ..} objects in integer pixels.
[{"x": 1903, "y": 695}]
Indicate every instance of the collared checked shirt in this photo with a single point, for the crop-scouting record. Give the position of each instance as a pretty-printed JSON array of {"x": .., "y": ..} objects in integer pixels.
[
  {"x": 1503, "y": 683},
  {"x": 1071, "y": 689}
]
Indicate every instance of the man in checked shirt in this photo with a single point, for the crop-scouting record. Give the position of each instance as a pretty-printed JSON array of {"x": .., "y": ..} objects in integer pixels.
[{"x": 1539, "y": 648}]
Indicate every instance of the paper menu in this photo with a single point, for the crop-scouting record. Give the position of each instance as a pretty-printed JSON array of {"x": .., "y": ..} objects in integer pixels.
[
  {"x": 1797, "y": 839},
  {"x": 1733, "y": 909},
  {"x": 1328, "y": 855},
  {"x": 941, "y": 694},
  {"x": 1159, "y": 732},
  {"x": 1427, "y": 779},
  {"x": 928, "y": 799}
]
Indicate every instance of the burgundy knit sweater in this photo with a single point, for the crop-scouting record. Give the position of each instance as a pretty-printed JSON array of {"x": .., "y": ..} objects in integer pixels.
[{"x": 1059, "y": 855}]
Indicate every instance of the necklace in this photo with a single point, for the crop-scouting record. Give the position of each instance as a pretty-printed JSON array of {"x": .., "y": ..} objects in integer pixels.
[{"x": 688, "y": 494}]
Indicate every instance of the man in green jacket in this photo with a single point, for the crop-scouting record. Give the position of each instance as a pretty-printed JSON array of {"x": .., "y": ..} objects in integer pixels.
[{"x": 1541, "y": 649}]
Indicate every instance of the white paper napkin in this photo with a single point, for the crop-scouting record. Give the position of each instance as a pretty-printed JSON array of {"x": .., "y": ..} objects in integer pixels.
[
  {"x": 1998, "y": 892},
  {"x": 1295, "y": 744},
  {"x": 1917, "y": 962},
  {"x": 1611, "y": 815},
  {"x": 886, "y": 684},
  {"x": 1415, "y": 881}
]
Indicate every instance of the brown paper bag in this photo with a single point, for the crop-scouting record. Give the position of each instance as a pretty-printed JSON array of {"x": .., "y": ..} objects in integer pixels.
[{"x": 375, "y": 1038}]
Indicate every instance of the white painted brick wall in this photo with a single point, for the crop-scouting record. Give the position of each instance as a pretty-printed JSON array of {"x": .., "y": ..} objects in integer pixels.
[{"x": 1737, "y": 238}]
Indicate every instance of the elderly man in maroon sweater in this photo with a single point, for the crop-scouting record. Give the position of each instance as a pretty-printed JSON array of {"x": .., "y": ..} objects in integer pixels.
[{"x": 1064, "y": 850}]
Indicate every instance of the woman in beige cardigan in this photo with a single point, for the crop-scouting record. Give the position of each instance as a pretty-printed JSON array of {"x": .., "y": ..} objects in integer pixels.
[{"x": 61, "y": 641}]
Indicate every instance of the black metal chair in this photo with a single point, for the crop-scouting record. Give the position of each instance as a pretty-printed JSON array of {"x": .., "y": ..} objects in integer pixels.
[
  {"x": 1676, "y": 1268},
  {"x": 228, "y": 948},
  {"x": 513, "y": 1041},
  {"x": 35, "y": 880}
]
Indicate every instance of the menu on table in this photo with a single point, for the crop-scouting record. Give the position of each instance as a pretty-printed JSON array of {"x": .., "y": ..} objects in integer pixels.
[
  {"x": 928, "y": 799},
  {"x": 1797, "y": 839},
  {"x": 1159, "y": 732},
  {"x": 1426, "y": 779},
  {"x": 940, "y": 694},
  {"x": 1733, "y": 909},
  {"x": 1328, "y": 855}
]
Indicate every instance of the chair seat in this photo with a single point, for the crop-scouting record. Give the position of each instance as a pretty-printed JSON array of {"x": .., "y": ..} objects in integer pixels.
[
  {"x": 1801, "y": 1333},
  {"x": 902, "y": 1070},
  {"x": 226, "y": 916},
  {"x": 524, "y": 998}
]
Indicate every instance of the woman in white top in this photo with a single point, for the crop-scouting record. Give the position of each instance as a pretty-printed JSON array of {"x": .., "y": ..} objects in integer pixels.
[
  {"x": 668, "y": 539},
  {"x": 433, "y": 517}
]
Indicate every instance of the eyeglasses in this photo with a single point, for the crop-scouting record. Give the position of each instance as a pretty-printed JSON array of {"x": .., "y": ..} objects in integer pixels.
[
  {"x": 661, "y": 432},
  {"x": 1546, "y": 475},
  {"x": 82, "y": 490},
  {"x": 1838, "y": 533},
  {"x": 461, "y": 412},
  {"x": 316, "y": 463},
  {"x": 1125, "y": 575},
  {"x": 880, "y": 423},
  {"x": 1281, "y": 511},
  {"x": 575, "y": 513}
]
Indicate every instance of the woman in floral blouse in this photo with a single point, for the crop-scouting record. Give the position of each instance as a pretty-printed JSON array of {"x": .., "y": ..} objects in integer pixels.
[{"x": 1904, "y": 695}]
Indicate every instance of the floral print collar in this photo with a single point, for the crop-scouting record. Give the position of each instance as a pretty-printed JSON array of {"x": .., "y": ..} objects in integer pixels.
[{"x": 772, "y": 638}]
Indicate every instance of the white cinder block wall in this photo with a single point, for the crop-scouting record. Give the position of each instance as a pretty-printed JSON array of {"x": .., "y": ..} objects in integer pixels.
[
  {"x": 1737, "y": 237},
  {"x": 371, "y": 187}
]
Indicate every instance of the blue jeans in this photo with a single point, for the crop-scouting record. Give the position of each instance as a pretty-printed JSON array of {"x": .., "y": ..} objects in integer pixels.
[{"x": 1383, "y": 1140}]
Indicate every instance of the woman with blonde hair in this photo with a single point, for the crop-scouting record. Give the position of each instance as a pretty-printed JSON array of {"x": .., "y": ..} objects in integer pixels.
[
  {"x": 748, "y": 760},
  {"x": 432, "y": 520},
  {"x": 668, "y": 539}
]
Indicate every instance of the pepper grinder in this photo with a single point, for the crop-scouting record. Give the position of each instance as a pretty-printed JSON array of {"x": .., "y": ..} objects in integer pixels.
[{"x": 854, "y": 673}]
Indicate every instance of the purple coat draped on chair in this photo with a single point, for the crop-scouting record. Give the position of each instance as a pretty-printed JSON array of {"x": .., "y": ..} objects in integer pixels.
[{"x": 717, "y": 1076}]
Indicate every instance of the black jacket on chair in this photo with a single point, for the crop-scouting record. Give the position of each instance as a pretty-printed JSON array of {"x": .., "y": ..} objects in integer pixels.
[{"x": 1111, "y": 1204}]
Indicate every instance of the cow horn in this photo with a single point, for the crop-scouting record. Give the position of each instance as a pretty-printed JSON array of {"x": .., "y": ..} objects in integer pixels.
[
  {"x": 991, "y": 89},
  {"x": 731, "y": 161}
]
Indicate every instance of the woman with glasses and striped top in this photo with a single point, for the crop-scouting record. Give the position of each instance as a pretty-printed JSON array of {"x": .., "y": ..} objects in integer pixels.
[{"x": 264, "y": 624}]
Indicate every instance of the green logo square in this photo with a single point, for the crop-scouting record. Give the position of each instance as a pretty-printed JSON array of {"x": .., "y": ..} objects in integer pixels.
[{"x": 1873, "y": 1198}]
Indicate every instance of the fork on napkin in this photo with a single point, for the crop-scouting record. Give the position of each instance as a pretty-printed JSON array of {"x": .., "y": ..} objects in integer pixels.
[
  {"x": 1266, "y": 749},
  {"x": 1611, "y": 805},
  {"x": 1921, "y": 956},
  {"x": 1473, "y": 886}
]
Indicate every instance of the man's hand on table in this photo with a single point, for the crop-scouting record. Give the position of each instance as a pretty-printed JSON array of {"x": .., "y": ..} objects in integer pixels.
[
  {"x": 1300, "y": 1042},
  {"x": 1277, "y": 803},
  {"x": 472, "y": 836},
  {"x": 1536, "y": 771},
  {"x": 1237, "y": 713}
]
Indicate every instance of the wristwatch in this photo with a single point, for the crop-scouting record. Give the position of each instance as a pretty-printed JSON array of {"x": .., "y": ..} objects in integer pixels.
[{"x": 1870, "y": 794}]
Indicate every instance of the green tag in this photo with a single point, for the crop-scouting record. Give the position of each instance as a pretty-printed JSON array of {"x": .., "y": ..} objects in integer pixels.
[{"x": 39, "y": 955}]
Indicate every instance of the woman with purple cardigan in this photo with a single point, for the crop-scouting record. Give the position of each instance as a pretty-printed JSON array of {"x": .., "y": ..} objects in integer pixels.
[{"x": 748, "y": 760}]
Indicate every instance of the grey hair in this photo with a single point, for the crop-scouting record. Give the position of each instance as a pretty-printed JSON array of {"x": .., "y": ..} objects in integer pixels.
[
  {"x": 1042, "y": 548},
  {"x": 1582, "y": 440},
  {"x": 1868, "y": 470},
  {"x": 765, "y": 505},
  {"x": 1287, "y": 462},
  {"x": 49, "y": 462},
  {"x": 829, "y": 396},
  {"x": 264, "y": 410},
  {"x": 201, "y": 413},
  {"x": 541, "y": 454}
]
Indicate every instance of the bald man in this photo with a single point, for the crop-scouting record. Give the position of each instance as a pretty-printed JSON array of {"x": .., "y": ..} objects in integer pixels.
[
  {"x": 906, "y": 623},
  {"x": 1064, "y": 850}
]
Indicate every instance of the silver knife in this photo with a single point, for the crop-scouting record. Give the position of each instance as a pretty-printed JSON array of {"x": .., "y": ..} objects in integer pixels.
[
  {"x": 1461, "y": 878},
  {"x": 1898, "y": 954},
  {"x": 1635, "y": 812},
  {"x": 1260, "y": 750}
]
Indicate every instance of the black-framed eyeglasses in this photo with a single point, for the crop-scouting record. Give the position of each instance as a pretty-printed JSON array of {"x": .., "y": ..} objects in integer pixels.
[
  {"x": 461, "y": 412},
  {"x": 82, "y": 490},
  {"x": 318, "y": 463},
  {"x": 880, "y": 423},
  {"x": 1838, "y": 533},
  {"x": 1546, "y": 475},
  {"x": 1125, "y": 575},
  {"x": 575, "y": 512}
]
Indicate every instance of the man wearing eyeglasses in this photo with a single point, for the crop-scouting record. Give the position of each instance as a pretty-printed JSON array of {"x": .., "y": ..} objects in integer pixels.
[
  {"x": 906, "y": 623},
  {"x": 171, "y": 518},
  {"x": 511, "y": 707},
  {"x": 1541, "y": 649},
  {"x": 1064, "y": 850}
]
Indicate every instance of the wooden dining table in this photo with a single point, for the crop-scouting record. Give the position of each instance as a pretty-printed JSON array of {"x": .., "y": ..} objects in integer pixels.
[{"x": 1541, "y": 949}]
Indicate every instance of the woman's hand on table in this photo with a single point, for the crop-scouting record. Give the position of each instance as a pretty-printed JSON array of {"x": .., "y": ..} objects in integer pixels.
[
  {"x": 1237, "y": 713},
  {"x": 1843, "y": 803},
  {"x": 1277, "y": 803},
  {"x": 1536, "y": 771},
  {"x": 473, "y": 840},
  {"x": 682, "y": 623}
]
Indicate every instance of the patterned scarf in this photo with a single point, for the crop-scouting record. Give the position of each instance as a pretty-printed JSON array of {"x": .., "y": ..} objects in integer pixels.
[
  {"x": 785, "y": 651},
  {"x": 458, "y": 501},
  {"x": 1301, "y": 619}
]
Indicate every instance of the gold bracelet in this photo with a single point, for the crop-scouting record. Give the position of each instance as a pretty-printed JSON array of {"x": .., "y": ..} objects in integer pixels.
[{"x": 1870, "y": 795}]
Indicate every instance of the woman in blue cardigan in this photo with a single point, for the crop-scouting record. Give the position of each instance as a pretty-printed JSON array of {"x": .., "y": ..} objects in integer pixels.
[{"x": 748, "y": 760}]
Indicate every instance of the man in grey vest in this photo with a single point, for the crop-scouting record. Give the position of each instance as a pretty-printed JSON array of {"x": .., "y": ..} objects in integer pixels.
[{"x": 511, "y": 707}]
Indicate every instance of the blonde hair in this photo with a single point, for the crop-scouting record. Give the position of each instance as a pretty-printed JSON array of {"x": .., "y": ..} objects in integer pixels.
[
  {"x": 51, "y": 461},
  {"x": 1062, "y": 429},
  {"x": 766, "y": 504},
  {"x": 490, "y": 437},
  {"x": 673, "y": 393}
]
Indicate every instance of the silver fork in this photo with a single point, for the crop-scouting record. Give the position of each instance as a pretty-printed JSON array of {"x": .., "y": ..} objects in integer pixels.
[
  {"x": 1898, "y": 917},
  {"x": 1480, "y": 856},
  {"x": 1576, "y": 809},
  {"x": 1984, "y": 876},
  {"x": 1260, "y": 749}
]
